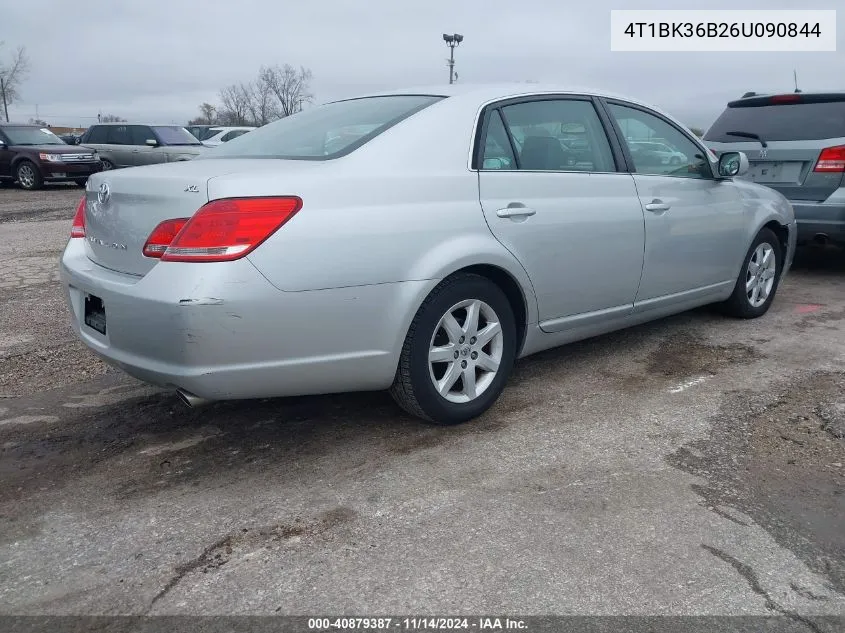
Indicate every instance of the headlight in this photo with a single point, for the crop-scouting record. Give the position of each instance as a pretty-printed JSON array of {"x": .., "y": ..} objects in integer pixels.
[{"x": 51, "y": 158}]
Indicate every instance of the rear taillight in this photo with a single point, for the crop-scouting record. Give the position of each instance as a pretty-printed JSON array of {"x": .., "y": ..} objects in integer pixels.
[
  {"x": 77, "y": 229},
  {"x": 832, "y": 159},
  {"x": 162, "y": 236},
  {"x": 228, "y": 229}
]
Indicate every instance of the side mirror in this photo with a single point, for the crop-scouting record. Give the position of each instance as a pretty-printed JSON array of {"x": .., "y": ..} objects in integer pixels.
[
  {"x": 2, "y": 144},
  {"x": 152, "y": 142},
  {"x": 733, "y": 164},
  {"x": 493, "y": 163}
]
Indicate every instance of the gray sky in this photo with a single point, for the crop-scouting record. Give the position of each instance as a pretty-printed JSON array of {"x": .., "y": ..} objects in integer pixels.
[{"x": 158, "y": 59}]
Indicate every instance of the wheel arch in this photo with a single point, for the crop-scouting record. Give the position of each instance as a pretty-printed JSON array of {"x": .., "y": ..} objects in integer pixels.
[{"x": 17, "y": 160}]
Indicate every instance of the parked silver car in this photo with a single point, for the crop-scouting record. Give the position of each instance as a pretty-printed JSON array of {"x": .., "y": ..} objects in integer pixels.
[
  {"x": 795, "y": 143},
  {"x": 131, "y": 145},
  {"x": 423, "y": 255}
]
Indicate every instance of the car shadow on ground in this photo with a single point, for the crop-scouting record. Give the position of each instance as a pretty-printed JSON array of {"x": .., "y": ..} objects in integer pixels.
[{"x": 161, "y": 443}]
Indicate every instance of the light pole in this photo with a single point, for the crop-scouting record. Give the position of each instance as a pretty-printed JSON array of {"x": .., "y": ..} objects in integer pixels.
[{"x": 452, "y": 41}]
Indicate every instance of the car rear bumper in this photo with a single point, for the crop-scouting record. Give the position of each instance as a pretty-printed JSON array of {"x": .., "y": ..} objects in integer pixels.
[
  {"x": 820, "y": 219},
  {"x": 222, "y": 331}
]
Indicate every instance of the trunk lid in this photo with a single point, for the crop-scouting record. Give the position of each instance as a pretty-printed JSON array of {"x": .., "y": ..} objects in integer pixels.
[{"x": 119, "y": 222}]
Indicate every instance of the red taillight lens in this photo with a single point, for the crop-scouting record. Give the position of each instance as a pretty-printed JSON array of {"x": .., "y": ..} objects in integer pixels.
[
  {"x": 162, "y": 236},
  {"x": 224, "y": 230},
  {"x": 793, "y": 98},
  {"x": 832, "y": 159},
  {"x": 77, "y": 229}
]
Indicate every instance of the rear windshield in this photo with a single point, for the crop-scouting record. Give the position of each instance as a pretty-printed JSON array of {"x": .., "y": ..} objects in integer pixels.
[
  {"x": 327, "y": 131},
  {"x": 787, "y": 122},
  {"x": 175, "y": 135}
]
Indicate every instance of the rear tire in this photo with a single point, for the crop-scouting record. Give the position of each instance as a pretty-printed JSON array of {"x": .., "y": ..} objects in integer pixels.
[
  {"x": 458, "y": 352},
  {"x": 29, "y": 177},
  {"x": 758, "y": 280}
]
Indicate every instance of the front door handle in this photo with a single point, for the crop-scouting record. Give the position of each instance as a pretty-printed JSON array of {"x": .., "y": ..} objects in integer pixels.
[
  {"x": 515, "y": 210},
  {"x": 657, "y": 205}
]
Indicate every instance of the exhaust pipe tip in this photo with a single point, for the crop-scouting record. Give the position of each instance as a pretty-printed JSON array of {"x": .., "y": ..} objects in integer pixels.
[
  {"x": 821, "y": 238},
  {"x": 192, "y": 401}
]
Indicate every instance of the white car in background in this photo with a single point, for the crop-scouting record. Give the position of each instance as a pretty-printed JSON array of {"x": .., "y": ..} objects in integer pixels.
[
  {"x": 218, "y": 135},
  {"x": 667, "y": 155}
]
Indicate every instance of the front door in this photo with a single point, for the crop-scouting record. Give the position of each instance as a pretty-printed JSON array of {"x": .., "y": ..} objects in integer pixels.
[
  {"x": 551, "y": 194},
  {"x": 694, "y": 227},
  {"x": 5, "y": 157}
]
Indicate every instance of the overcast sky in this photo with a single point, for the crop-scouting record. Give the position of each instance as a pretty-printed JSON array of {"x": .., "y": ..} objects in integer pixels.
[{"x": 158, "y": 59}]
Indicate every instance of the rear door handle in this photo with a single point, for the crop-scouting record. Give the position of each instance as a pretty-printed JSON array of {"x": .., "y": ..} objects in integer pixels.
[
  {"x": 657, "y": 205},
  {"x": 515, "y": 212}
]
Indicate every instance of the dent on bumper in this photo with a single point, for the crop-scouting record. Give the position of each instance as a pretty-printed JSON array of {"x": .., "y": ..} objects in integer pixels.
[{"x": 222, "y": 331}]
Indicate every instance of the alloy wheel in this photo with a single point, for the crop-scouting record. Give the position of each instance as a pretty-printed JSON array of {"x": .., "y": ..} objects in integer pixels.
[
  {"x": 760, "y": 278},
  {"x": 465, "y": 351},
  {"x": 26, "y": 176}
]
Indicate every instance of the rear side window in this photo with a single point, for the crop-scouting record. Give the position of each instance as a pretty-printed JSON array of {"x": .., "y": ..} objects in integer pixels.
[
  {"x": 782, "y": 122},
  {"x": 327, "y": 131},
  {"x": 558, "y": 135},
  {"x": 119, "y": 135}
]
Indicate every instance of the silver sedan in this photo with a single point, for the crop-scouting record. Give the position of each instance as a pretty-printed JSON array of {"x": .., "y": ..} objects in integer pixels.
[{"x": 418, "y": 241}]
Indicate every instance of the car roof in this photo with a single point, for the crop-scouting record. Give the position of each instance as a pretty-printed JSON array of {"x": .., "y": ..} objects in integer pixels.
[
  {"x": 13, "y": 124},
  {"x": 137, "y": 123},
  {"x": 495, "y": 91}
]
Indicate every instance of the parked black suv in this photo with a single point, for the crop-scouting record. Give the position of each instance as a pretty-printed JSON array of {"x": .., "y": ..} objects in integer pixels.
[{"x": 33, "y": 155}]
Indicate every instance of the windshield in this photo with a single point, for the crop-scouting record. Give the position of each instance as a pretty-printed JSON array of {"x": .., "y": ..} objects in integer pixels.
[
  {"x": 327, "y": 131},
  {"x": 793, "y": 122},
  {"x": 175, "y": 135},
  {"x": 32, "y": 136}
]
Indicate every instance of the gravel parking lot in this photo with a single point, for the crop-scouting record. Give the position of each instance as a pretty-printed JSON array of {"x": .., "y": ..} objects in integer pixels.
[{"x": 691, "y": 466}]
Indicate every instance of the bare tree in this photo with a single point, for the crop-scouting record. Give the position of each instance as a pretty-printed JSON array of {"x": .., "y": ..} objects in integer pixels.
[
  {"x": 12, "y": 76},
  {"x": 234, "y": 105},
  {"x": 290, "y": 87},
  {"x": 111, "y": 118},
  {"x": 208, "y": 115},
  {"x": 277, "y": 92}
]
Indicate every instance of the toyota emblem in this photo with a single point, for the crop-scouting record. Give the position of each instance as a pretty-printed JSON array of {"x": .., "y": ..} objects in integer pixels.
[{"x": 103, "y": 194}]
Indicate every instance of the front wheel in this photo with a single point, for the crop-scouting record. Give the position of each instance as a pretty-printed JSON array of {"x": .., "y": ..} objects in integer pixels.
[
  {"x": 107, "y": 164},
  {"x": 458, "y": 353},
  {"x": 28, "y": 176},
  {"x": 758, "y": 280}
]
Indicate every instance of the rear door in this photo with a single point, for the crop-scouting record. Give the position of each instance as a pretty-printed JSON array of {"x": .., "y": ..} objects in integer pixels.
[
  {"x": 796, "y": 129},
  {"x": 572, "y": 220},
  {"x": 119, "y": 145}
]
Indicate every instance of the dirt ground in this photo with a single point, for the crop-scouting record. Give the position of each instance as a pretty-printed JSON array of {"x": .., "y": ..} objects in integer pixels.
[{"x": 693, "y": 466}]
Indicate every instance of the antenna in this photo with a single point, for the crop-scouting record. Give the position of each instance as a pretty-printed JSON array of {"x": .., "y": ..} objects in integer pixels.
[{"x": 795, "y": 79}]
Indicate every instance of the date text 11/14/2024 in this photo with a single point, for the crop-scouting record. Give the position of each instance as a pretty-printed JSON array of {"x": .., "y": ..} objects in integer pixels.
[{"x": 417, "y": 624}]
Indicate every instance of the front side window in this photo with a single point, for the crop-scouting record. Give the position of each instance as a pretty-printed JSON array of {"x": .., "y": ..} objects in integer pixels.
[
  {"x": 558, "y": 135},
  {"x": 233, "y": 134},
  {"x": 648, "y": 137},
  {"x": 140, "y": 134},
  {"x": 327, "y": 131},
  {"x": 25, "y": 135}
]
